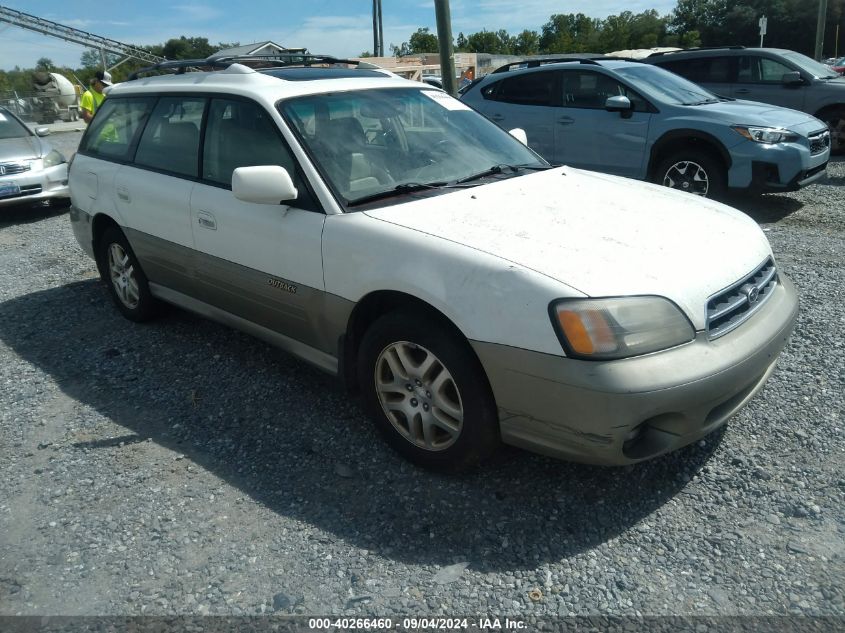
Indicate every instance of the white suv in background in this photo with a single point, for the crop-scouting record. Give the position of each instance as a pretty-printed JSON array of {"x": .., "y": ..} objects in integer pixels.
[{"x": 387, "y": 233}]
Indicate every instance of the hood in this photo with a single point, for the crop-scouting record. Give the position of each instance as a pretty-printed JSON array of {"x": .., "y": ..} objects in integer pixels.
[
  {"x": 22, "y": 148},
  {"x": 601, "y": 235},
  {"x": 753, "y": 113}
]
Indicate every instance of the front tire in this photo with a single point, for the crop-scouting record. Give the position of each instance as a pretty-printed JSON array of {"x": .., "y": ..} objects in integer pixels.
[
  {"x": 835, "y": 120},
  {"x": 127, "y": 283},
  {"x": 427, "y": 393},
  {"x": 694, "y": 172}
]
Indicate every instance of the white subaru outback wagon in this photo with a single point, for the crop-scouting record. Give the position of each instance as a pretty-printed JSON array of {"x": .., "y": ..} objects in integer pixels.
[{"x": 469, "y": 291}]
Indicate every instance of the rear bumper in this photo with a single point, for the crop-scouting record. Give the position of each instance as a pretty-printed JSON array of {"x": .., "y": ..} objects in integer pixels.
[{"x": 585, "y": 411}]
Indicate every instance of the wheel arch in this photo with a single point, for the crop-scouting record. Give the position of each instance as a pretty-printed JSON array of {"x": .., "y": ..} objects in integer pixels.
[
  {"x": 370, "y": 308},
  {"x": 99, "y": 224},
  {"x": 676, "y": 140}
]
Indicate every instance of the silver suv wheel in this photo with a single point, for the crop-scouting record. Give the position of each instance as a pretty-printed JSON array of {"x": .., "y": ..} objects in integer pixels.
[{"x": 122, "y": 274}]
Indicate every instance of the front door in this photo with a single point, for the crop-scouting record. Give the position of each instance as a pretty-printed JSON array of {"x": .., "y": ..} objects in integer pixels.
[
  {"x": 588, "y": 136},
  {"x": 761, "y": 79},
  {"x": 260, "y": 262}
]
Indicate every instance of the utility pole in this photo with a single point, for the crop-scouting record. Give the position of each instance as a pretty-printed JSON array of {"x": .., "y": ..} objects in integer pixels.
[
  {"x": 820, "y": 29},
  {"x": 444, "y": 37},
  {"x": 378, "y": 33}
]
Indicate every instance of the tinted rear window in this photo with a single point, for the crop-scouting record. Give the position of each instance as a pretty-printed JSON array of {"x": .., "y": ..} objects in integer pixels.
[{"x": 112, "y": 133}]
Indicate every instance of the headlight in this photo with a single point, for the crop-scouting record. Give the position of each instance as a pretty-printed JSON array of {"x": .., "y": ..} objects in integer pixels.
[
  {"x": 769, "y": 135},
  {"x": 53, "y": 158},
  {"x": 604, "y": 329}
]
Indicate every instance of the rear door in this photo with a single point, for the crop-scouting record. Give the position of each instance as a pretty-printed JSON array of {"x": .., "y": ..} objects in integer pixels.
[
  {"x": 761, "y": 79},
  {"x": 528, "y": 101},
  {"x": 587, "y": 135},
  {"x": 257, "y": 261},
  {"x": 153, "y": 193}
]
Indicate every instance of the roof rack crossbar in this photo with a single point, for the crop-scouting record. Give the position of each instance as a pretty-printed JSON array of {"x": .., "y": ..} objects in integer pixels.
[
  {"x": 224, "y": 61},
  {"x": 534, "y": 63},
  {"x": 700, "y": 48}
]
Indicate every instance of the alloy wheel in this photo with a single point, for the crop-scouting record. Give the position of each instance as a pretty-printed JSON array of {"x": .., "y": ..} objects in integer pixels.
[
  {"x": 688, "y": 176},
  {"x": 419, "y": 396},
  {"x": 122, "y": 274}
]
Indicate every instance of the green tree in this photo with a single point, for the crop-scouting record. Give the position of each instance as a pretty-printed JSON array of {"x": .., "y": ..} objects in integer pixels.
[
  {"x": 461, "y": 43},
  {"x": 421, "y": 41},
  {"x": 498, "y": 43},
  {"x": 45, "y": 63},
  {"x": 556, "y": 34},
  {"x": 526, "y": 43}
]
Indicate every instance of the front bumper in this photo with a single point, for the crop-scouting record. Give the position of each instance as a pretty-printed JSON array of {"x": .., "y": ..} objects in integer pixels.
[
  {"x": 584, "y": 411},
  {"x": 771, "y": 168},
  {"x": 37, "y": 185}
]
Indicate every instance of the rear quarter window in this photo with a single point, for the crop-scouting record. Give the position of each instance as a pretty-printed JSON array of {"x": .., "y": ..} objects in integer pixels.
[{"x": 112, "y": 134}]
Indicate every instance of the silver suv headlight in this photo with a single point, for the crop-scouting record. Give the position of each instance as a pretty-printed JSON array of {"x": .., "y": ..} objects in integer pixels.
[
  {"x": 768, "y": 135},
  {"x": 606, "y": 329},
  {"x": 53, "y": 158}
]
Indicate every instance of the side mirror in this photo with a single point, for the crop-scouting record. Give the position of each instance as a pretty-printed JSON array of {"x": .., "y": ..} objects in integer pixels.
[
  {"x": 42, "y": 131},
  {"x": 264, "y": 184},
  {"x": 619, "y": 103},
  {"x": 519, "y": 134},
  {"x": 792, "y": 79}
]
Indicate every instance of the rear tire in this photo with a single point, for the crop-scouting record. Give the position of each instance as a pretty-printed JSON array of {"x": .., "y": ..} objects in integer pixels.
[
  {"x": 427, "y": 392},
  {"x": 692, "y": 171},
  {"x": 127, "y": 283}
]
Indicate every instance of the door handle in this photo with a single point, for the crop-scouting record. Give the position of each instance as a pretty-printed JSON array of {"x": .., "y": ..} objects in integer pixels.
[
  {"x": 565, "y": 120},
  {"x": 496, "y": 117},
  {"x": 123, "y": 194},
  {"x": 742, "y": 91},
  {"x": 206, "y": 220}
]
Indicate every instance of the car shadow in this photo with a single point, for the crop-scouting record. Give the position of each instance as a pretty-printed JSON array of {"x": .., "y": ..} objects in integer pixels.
[
  {"x": 767, "y": 208},
  {"x": 291, "y": 439},
  {"x": 27, "y": 213}
]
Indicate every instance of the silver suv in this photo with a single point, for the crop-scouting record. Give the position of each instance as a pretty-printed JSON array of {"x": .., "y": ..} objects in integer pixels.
[{"x": 771, "y": 75}]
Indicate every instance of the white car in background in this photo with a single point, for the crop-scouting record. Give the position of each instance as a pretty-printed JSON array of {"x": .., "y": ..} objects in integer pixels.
[
  {"x": 389, "y": 234},
  {"x": 31, "y": 170}
]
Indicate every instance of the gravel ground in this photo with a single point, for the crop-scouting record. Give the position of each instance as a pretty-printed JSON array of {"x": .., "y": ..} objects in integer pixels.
[{"x": 180, "y": 467}]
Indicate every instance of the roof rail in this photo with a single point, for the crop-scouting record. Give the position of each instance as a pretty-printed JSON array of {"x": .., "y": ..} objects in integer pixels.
[
  {"x": 534, "y": 63},
  {"x": 224, "y": 61},
  {"x": 700, "y": 48}
]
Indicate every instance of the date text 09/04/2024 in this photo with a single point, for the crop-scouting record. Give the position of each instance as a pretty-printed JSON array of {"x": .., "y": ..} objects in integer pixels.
[{"x": 414, "y": 624}]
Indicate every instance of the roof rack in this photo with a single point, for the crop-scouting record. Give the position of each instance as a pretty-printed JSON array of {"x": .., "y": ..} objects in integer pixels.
[
  {"x": 279, "y": 60},
  {"x": 700, "y": 48},
  {"x": 581, "y": 59}
]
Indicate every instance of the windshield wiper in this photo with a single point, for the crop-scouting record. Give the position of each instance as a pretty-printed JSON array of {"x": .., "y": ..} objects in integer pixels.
[
  {"x": 500, "y": 169},
  {"x": 405, "y": 187}
]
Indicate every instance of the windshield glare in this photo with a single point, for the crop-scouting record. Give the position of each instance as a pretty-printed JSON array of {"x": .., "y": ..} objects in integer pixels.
[
  {"x": 369, "y": 141},
  {"x": 664, "y": 85},
  {"x": 810, "y": 65}
]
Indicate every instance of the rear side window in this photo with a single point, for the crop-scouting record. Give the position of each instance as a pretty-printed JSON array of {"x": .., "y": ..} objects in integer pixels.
[
  {"x": 702, "y": 70},
  {"x": 535, "y": 89},
  {"x": 112, "y": 133},
  {"x": 171, "y": 139}
]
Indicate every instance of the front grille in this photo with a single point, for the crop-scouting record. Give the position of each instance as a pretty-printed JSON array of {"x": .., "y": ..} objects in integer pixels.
[
  {"x": 7, "y": 169},
  {"x": 819, "y": 142},
  {"x": 729, "y": 308},
  {"x": 26, "y": 190}
]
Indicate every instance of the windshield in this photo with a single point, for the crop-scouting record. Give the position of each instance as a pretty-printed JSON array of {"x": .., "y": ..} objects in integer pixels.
[
  {"x": 367, "y": 142},
  {"x": 665, "y": 86},
  {"x": 811, "y": 66},
  {"x": 10, "y": 127}
]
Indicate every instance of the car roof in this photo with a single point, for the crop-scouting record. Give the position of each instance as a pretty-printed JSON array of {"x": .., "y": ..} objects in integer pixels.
[
  {"x": 713, "y": 52},
  {"x": 609, "y": 63},
  {"x": 269, "y": 84}
]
